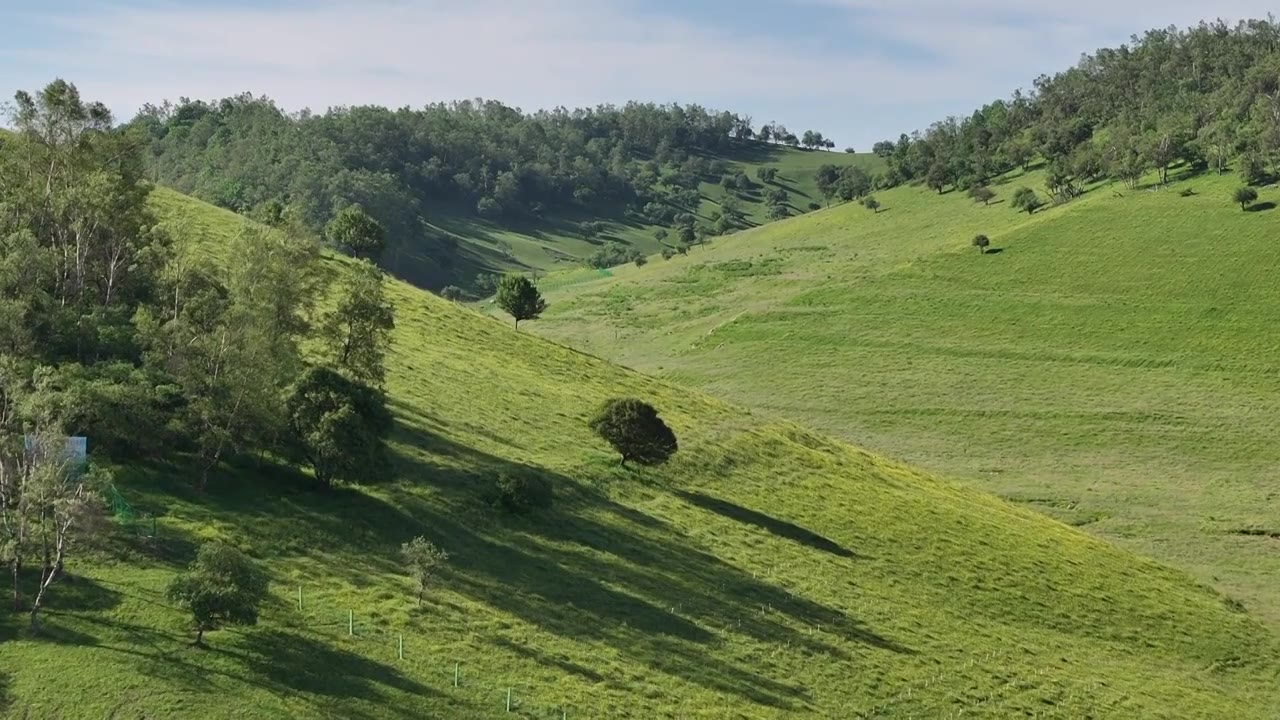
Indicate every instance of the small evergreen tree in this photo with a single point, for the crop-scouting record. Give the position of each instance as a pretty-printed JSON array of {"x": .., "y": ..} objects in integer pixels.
[
  {"x": 520, "y": 298},
  {"x": 222, "y": 587},
  {"x": 635, "y": 431}
]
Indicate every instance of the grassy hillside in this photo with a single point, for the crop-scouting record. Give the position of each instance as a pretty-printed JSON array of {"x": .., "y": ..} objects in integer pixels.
[
  {"x": 556, "y": 242},
  {"x": 1112, "y": 365},
  {"x": 766, "y": 572}
]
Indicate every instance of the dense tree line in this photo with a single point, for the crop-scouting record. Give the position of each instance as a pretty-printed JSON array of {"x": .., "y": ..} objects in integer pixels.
[
  {"x": 1202, "y": 98},
  {"x": 246, "y": 154},
  {"x": 128, "y": 332}
]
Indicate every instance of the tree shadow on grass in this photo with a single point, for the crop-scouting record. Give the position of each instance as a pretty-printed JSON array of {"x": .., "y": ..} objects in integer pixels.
[
  {"x": 781, "y": 528},
  {"x": 1261, "y": 207},
  {"x": 303, "y": 664}
]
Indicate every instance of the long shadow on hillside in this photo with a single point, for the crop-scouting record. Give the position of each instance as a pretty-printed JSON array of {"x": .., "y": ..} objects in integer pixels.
[
  {"x": 276, "y": 662},
  {"x": 781, "y": 528},
  {"x": 596, "y": 571},
  {"x": 1261, "y": 207}
]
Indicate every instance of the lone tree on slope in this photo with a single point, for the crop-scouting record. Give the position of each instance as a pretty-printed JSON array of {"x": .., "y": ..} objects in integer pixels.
[
  {"x": 982, "y": 194},
  {"x": 520, "y": 298},
  {"x": 423, "y": 559},
  {"x": 222, "y": 587},
  {"x": 1024, "y": 198},
  {"x": 355, "y": 232},
  {"x": 981, "y": 242},
  {"x": 635, "y": 431},
  {"x": 871, "y": 203},
  {"x": 1246, "y": 196}
]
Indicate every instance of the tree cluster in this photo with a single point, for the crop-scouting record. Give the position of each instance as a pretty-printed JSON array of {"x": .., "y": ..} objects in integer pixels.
[
  {"x": 126, "y": 331},
  {"x": 1200, "y": 98},
  {"x": 246, "y": 154}
]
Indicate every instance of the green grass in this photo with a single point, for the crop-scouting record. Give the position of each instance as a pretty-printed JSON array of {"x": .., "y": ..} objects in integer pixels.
[
  {"x": 1113, "y": 366},
  {"x": 767, "y": 571},
  {"x": 555, "y": 243}
]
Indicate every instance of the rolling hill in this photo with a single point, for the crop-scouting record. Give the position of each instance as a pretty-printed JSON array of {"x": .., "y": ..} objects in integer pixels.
[
  {"x": 556, "y": 242},
  {"x": 767, "y": 571},
  {"x": 1110, "y": 364}
]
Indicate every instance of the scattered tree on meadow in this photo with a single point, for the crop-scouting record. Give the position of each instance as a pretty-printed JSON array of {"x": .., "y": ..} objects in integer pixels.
[
  {"x": 634, "y": 429},
  {"x": 453, "y": 293},
  {"x": 850, "y": 150},
  {"x": 355, "y": 232},
  {"x": 742, "y": 182},
  {"x": 687, "y": 236},
  {"x": 660, "y": 234},
  {"x": 1245, "y": 196},
  {"x": 778, "y": 212},
  {"x": 982, "y": 194},
  {"x": 766, "y": 174},
  {"x": 222, "y": 587},
  {"x": 520, "y": 298},
  {"x": 871, "y": 203},
  {"x": 422, "y": 559},
  {"x": 339, "y": 425},
  {"x": 358, "y": 330},
  {"x": 982, "y": 242},
  {"x": 1024, "y": 198}
]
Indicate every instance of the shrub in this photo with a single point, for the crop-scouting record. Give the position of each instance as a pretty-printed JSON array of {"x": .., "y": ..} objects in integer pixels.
[
  {"x": 522, "y": 492},
  {"x": 487, "y": 207},
  {"x": 982, "y": 194},
  {"x": 612, "y": 255},
  {"x": 635, "y": 431},
  {"x": 641, "y": 261},
  {"x": 815, "y": 206},
  {"x": 1187, "y": 192},
  {"x": 668, "y": 253},
  {"x": 453, "y": 292}
]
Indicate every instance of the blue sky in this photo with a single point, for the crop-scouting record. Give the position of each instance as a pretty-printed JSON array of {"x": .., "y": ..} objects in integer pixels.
[{"x": 857, "y": 70}]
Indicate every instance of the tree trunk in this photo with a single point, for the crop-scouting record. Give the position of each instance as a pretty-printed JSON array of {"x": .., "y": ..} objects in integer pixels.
[
  {"x": 16, "y": 564},
  {"x": 199, "y": 642}
]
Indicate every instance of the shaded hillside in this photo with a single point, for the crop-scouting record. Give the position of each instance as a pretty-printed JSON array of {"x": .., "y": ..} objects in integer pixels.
[
  {"x": 477, "y": 187},
  {"x": 767, "y": 571}
]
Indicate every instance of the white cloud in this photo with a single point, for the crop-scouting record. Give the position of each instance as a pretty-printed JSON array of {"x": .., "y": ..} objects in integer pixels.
[{"x": 539, "y": 53}]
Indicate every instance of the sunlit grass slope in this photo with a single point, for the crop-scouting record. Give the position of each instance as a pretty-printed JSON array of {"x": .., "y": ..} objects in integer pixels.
[
  {"x": 555, "y": 242},
  {"x": 1114, "y": 365},
  {"x": 766, "y": 572}
]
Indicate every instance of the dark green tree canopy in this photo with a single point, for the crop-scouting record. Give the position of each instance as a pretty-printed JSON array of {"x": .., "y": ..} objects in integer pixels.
[
  {"x": 355, "y": 232},
  {"x": 635, "y": 431},
  {"x": 339, "y": 425},
  {"x": 1245, "y": 196},
  {"x": 520, "y": 298},
  {"x": 222, "y": 587}
]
